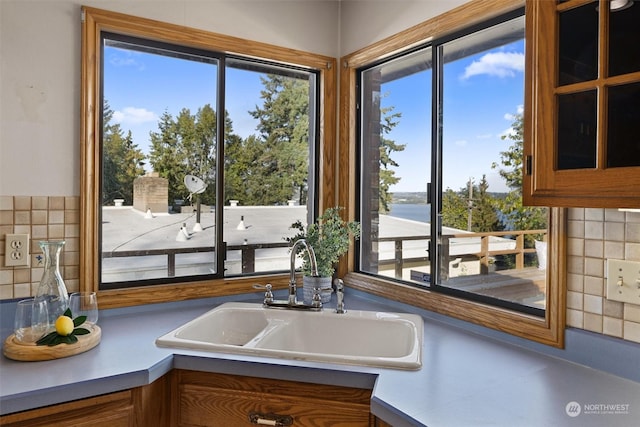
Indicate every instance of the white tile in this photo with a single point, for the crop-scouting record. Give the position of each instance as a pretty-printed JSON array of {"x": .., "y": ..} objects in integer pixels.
[
  {"x": 575, "y": 318},
  {"x": 613, "y": 250},
  {"x": 632, "y": 312},
  {"x": 574, "y": 300},
  {"x": 6, "y": 291},
  {"x": 593, "y": 322},
  {"x": 594, "y": 267},
  {"x": 575, "y": 213},
  {"x": 594, "y": 214},
  {"x": 593, "y": 230},
  {"x": 631, "y": 331},
  {"x": 593, "y": 248},
  {"x": 592, "y": 304},
  {"x": 575, "y": 282},
  {"x": 612, "y": 326},
  {"x": 6, "y": 203},
  {"x": 614, "y": 215}
]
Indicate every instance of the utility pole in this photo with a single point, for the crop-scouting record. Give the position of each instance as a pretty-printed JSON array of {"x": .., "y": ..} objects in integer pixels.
[{"x": 470, "y": 205}]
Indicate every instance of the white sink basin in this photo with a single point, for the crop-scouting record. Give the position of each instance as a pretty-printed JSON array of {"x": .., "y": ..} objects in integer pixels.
[{"x": 372, "y": 338}]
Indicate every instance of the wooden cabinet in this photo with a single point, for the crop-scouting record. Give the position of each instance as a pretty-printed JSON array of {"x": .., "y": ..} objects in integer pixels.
[
  {"x": 582, "y": 104},
  {"x": 111, "y": 410},
  {"x": 208, "y": 399},
  {"x": 138, "y": 407},
  {"x": 190, "y": 398}
]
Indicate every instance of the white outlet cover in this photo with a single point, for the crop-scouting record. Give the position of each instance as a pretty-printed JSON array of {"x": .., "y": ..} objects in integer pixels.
[
  {"x": 623, "y": 281},
  {"x": 16, "y": 250}
]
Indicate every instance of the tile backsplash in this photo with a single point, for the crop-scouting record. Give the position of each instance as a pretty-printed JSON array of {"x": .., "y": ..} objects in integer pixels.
[
  {"x": 593, "y": 236},
  {"x": 43, "y": 218}
]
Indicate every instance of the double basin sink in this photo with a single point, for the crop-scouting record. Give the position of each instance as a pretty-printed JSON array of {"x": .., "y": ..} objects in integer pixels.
[{"x": 368, "y": 338}]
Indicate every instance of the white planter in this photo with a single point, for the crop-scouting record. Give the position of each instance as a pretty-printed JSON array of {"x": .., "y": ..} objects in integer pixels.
[{"x": 324, "y": 283}]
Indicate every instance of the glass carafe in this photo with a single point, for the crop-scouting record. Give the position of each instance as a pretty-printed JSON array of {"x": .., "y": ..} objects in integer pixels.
[{"x": 52, "y": 288}]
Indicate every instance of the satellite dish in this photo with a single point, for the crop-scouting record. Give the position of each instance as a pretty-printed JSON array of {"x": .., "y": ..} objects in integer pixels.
[{"x": 194, "y": 184}]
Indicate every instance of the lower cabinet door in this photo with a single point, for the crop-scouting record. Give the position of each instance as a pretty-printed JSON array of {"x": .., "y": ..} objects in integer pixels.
[{"x": 209, "y": 405}]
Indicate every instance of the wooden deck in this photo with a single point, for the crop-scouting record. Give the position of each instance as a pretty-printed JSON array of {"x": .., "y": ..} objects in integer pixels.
[{"x": 524, "y": 286}]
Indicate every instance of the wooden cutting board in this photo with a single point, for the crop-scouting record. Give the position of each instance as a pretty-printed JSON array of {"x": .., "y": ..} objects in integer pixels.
[{"x": 13, "y": 349}]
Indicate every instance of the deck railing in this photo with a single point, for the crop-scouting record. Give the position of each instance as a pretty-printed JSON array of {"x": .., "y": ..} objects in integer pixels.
[
  {"x": 248, "y": 251},
  {"x": 248, "y": 254},
  {"x": 484, "y": 255}
]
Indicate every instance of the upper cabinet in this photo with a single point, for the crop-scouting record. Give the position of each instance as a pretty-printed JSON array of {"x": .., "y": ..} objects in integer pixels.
[{"x": 582, "y": 103}]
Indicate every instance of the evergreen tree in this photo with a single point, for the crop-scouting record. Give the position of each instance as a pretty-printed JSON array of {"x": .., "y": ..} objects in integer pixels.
[
  {"x": 186, "y": 145},
  {"x": 454, "y": 209},
  {"x": 517, "y": 216},
  {"x": 166, "y": 155},
  {"x": 484, "y": 215},
  {"x": 282, "y": 160},
  {"x": 387, "y": 147},
  {"x": 122, "y": 160}
]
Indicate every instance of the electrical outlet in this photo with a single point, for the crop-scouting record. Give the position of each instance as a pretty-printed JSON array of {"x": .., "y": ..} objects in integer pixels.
[{"x": 16, "y": 252}]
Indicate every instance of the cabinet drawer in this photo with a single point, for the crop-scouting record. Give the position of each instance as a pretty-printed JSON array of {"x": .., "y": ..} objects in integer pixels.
[
  {"x": 204, "y": 406},
  {"x": 111, "y": 410}
]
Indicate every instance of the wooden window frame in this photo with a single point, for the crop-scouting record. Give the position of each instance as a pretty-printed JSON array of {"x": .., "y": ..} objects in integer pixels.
[
  {"x": 94, "y": 21},
  {"x": 548, "y": 330}
]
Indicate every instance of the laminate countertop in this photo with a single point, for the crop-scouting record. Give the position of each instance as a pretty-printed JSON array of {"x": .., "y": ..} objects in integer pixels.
[{"x": 467, "y": 379}]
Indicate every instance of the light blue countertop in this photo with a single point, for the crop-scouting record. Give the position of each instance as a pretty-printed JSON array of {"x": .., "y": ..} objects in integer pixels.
[{"x": 467, "y": 378}]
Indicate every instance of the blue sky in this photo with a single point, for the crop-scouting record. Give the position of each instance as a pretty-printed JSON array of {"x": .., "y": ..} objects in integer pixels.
[
  {"x": 140, "y": 87},
  {"x": 482, "y": 92}
]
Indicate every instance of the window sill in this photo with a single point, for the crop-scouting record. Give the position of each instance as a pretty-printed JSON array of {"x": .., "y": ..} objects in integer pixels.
[
  {"x": 127, "y": 297},
  {"x": 547, "y": 330}
]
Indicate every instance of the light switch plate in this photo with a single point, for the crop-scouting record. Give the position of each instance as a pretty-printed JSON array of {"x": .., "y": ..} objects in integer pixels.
[{"x": 623, "y": 281}]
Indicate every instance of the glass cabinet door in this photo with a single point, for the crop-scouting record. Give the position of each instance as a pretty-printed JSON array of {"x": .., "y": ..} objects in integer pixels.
[{"x": 582, "y": 112}]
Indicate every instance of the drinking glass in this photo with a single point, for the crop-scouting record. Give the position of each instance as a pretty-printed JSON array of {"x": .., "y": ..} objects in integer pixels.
[
  {"x": 84, "y": 304},
  {"x": 31, "y": 321}
]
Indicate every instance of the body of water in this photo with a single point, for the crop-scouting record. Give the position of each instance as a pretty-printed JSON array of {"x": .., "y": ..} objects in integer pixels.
[{"x": 413, "y": 212}]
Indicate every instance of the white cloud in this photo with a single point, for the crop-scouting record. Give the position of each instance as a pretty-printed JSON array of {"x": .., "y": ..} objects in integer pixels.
[
  {"x": 498, "y": 64},
  {"x": 507, "y": 132},
  {"x": 125, "y": 58},
  {"x": 511, "y": 117},
  {"x": 133, "y": 115},
  {"x": 461, "y": 142},
  {"x": 484, "y": 136}
]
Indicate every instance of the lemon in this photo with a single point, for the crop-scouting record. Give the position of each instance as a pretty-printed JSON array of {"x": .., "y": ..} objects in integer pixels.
[{"x": 64, "y": 326}]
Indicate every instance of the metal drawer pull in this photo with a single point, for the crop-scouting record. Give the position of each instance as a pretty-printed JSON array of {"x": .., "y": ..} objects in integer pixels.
[{"x": 270, "y": 419}]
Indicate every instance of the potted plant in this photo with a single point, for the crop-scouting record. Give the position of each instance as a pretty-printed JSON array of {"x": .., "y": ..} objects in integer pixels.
[{"x": 329, "y": 237}]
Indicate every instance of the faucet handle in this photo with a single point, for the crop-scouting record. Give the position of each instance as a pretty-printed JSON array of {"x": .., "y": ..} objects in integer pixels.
[
  {"x": 316, "y": 300},
  {"x": 340, "y": 296},
  {"x": 268, "y": 294}
]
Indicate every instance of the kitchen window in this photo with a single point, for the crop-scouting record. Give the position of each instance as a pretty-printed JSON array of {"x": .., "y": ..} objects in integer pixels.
[
  {"x": 183, "y": 181},
  {"x": 439, "y": 207},
  {"x": 438, "y": 149},
  {"x": 199, "y": 151}
]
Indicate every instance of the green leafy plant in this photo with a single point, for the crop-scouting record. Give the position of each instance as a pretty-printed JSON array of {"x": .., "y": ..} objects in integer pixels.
[
  {"x": 54, "y": 338},
  {"x": 329, "y": 237}
]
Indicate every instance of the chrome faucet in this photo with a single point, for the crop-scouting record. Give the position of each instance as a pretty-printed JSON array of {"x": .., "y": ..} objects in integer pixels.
[
  {"x": 292, "y": 301},
  {"x": 292, "y": 274}
]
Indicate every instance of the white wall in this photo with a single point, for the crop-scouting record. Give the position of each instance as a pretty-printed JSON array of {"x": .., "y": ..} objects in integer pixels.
[
  {"x": 40, "y": 71},
  {"x": 40, "y": 64},
  {"x": 364, "y": 22}
]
